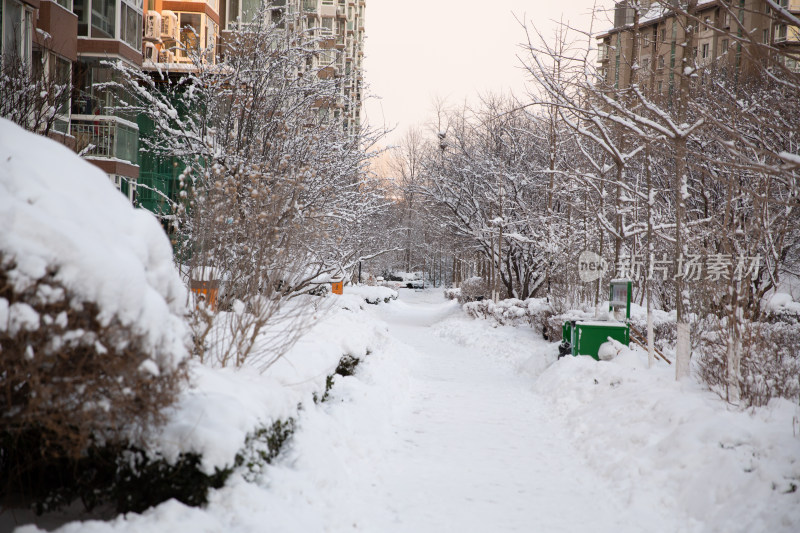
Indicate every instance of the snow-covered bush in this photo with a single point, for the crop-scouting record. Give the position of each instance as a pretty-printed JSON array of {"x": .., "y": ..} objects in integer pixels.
[
  {"x": 92, "y": 329},
  {"x": 533, "y": 312},
  {"x": 452, "y": 293},
  {"x": 372, "y": 294},
  {"x": 770, "y": 364},
  {"x": 473, "y": 289}
]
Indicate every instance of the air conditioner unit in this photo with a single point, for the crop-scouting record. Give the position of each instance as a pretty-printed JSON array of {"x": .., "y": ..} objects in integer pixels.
[
  {"x": 150, "y": 52},
  {"x": 165, "y": 56},
  {"x": 152, "y": 26},
  {"x": 169, "y": 25}
]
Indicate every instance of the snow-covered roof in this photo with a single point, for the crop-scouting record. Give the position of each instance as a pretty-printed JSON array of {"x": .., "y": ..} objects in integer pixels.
[{"x": 656, "y": 12}]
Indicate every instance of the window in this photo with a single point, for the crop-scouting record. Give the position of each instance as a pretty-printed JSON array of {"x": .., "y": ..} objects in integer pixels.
[
  {"x": 780, "y": 33},
  {"x": 645, "y": 39},
  {"x": 646, "y": 63},
  {"x": 705, "y": 51},
  {"x": 131, "y": 26},
  {"x": 724, "y": 45},
  {"x": 663, "y": 35},
  {"x": 659, "y": 86},
  {"x": 190, "y": 27},
  {"x": 104, "y": 18},
  {"x": 82, "y": 8},
  {"x": 60, "y": 71},
  {"x": 327, "y": 25},
  {"x": 17, "y": 31},
  {"x": 660, "y": 63},
  {"x": 765, "y": 36},
  {"x": 249, "y": 10},
  {"x": 210, "y": 38},
  {"x": 66, "y": 4}
]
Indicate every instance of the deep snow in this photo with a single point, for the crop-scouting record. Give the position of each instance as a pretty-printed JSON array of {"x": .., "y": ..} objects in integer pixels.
[{"x": 452, "y": 424}]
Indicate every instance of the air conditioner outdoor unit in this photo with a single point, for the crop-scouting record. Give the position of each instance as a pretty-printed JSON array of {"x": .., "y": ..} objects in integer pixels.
[
  {"x": 169, "y": 25},
  {"x": 152, "y": 26},
  {"x": 165, "y": 56},
  {"x": 150, "y": 52}
]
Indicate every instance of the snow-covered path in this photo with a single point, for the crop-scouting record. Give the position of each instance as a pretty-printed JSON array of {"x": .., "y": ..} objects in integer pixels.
[
  {"x": 453, "y": 425},
  {"x": 474, "y": 449}
]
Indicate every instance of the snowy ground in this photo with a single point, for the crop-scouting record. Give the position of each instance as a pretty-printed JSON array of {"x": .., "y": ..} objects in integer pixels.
[{"x": 453, "y": 425}]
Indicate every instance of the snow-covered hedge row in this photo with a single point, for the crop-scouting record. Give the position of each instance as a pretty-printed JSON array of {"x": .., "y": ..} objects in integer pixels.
[
  {"x": 225, "y": 407},
  {"x": 92, "y": 327},
  {"x": 533, "y": 312}
]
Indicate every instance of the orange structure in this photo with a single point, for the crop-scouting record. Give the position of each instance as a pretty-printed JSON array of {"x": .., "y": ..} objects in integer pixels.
[
  {"x": 337, "y": 287},
  {"x": 207, "y": 291}
]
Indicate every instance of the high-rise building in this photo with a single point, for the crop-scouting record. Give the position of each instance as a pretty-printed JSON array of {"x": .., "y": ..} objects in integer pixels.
[
  {"x": 719, "y": 39},
  {"x": 337, "y": 26}
]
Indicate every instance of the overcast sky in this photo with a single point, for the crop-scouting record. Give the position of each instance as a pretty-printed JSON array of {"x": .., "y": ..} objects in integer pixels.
[{"x": 418, "y": 50}]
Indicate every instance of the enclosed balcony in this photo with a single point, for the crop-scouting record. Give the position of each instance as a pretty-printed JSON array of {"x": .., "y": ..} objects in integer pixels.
[{"x": 104, "y": 136}]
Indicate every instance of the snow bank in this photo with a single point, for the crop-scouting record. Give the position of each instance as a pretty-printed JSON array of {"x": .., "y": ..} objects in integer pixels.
[
  {"x": 783, "y": 304},
  {"x": 726, "y": 470},
  {"x": 60, "y": 213},
  {"x": 372, "y": 295},
  {"x": 522, "y": 348},
  {"x": 223, "y": 405},
  {"x": 214, "y": 416}
]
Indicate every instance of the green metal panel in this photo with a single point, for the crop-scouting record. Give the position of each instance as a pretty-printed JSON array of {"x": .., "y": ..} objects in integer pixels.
[
  {"x": 588, "y": 336},
  {"x": 159, "y": 176}
]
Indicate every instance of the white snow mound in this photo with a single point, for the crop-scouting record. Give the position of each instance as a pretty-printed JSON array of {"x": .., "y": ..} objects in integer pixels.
[{"x": 58, "y": 212}]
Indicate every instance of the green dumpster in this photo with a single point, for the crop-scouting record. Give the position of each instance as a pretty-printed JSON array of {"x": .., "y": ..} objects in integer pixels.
[{"x": 588, "y": 336}]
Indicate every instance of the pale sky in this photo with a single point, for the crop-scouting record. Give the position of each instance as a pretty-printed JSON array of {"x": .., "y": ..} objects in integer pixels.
[{"x": 418, "y": 50}]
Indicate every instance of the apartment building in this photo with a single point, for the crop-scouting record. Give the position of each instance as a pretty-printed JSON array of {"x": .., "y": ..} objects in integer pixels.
[
  {"x": 177, "y": 33},
  {"x": 108, "y": 30},
  {"x": 70, "y": 40},
  {"x": 65, "y": 40},
  {"x": 338, "y": 27},
  {"x": 659, "y": 56},
  {"x": 43, "y": 35}
]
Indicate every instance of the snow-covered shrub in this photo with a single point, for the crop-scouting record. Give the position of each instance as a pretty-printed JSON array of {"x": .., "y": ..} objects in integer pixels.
[
  {"x": 473, "y": 289},
  {"x": 263, "y": 446},
  {"x": 770, "y": 364},
  {"x": 372, "y": 294},
  {"x": 92, "y": 329},
  {"x": 347, "y": 367},
  {"x": 533, "y": 312},
  {"x": 452, "y": 293}
]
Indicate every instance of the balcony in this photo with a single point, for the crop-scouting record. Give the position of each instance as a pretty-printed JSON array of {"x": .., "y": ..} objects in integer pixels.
[{"x": 104, "y": 136}]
